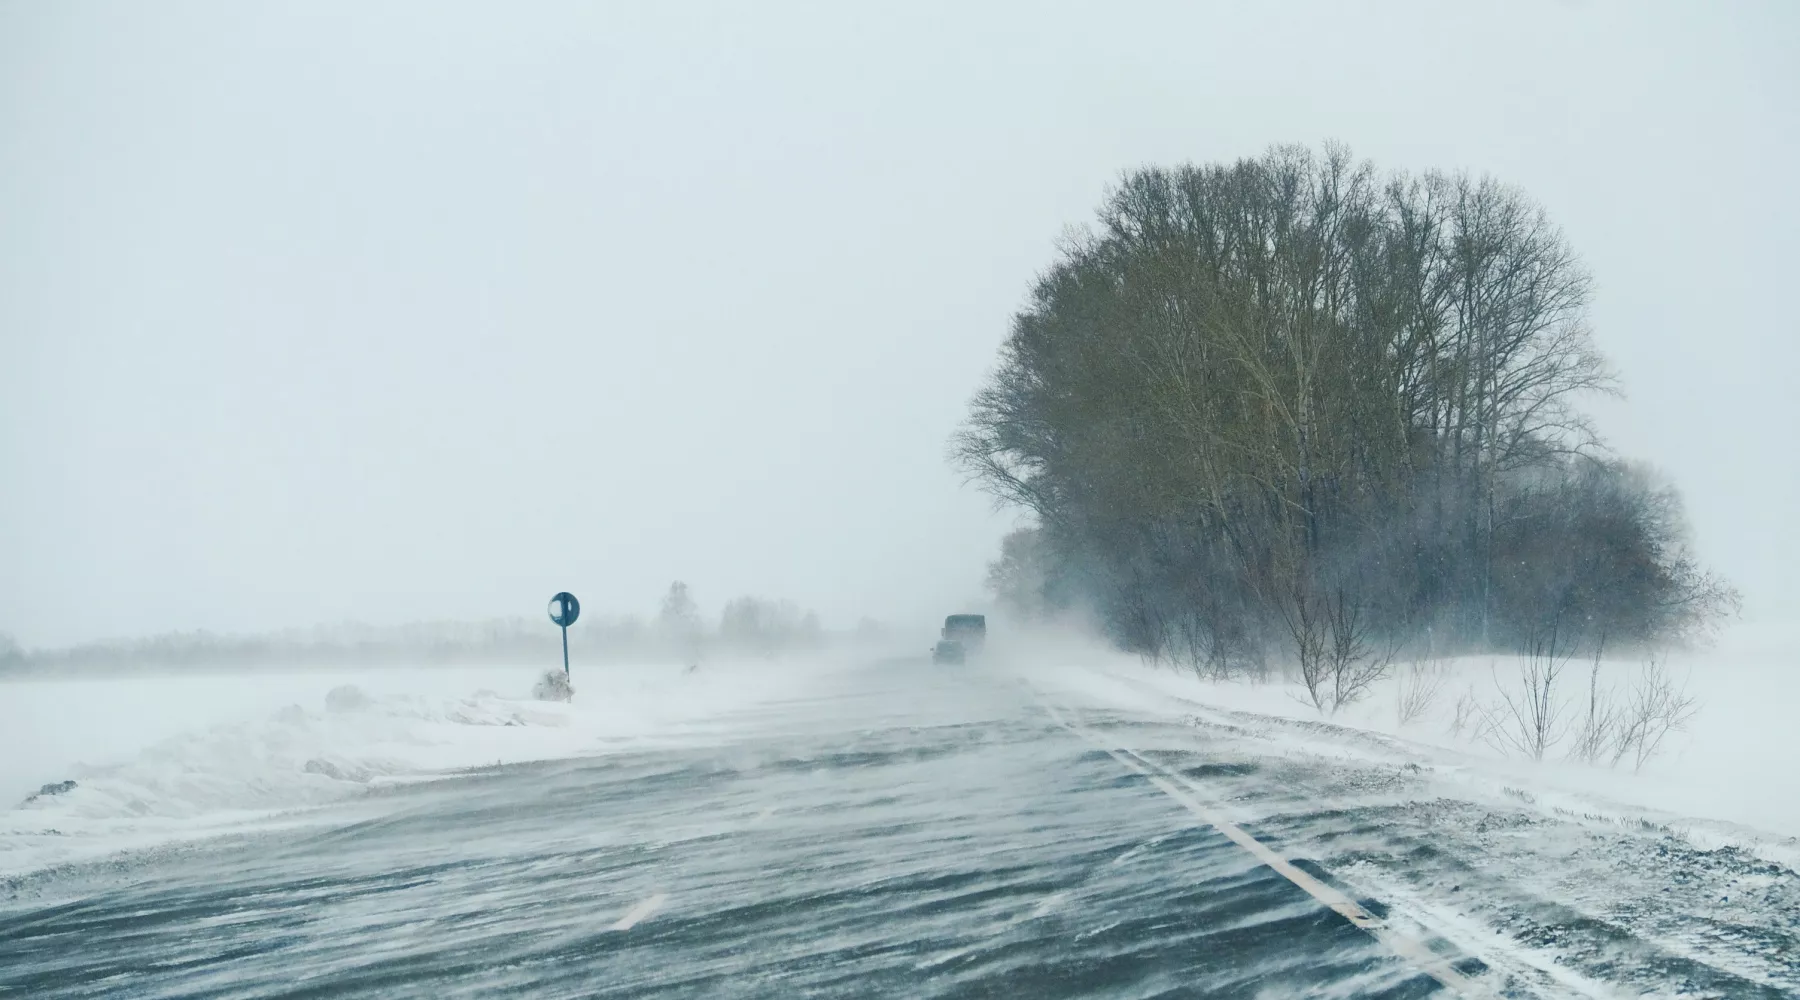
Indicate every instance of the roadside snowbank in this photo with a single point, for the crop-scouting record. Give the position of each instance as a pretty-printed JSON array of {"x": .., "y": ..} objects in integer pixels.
[
  {"x": 167, "y": 758},
  {"x": 1726, "y": 779}
]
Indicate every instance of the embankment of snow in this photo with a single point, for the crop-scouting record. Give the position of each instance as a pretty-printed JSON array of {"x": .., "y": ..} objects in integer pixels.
[
  {"x": 1724, "y": 780},
  {"x": 168, "y": 758}
]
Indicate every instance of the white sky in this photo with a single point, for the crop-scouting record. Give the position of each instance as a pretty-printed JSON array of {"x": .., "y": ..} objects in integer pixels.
[{"x": 395, "y": 311}]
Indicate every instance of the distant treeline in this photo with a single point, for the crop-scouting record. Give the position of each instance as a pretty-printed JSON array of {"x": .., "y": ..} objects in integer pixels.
[
  {"x": 1293, "y": 407},
  {"x": 748, "y": 626}
]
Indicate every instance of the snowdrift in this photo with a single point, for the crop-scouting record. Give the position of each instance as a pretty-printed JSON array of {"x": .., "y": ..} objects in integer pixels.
[
  {"x": 1722, "y": 780},
  {"x": 141, "y": 762}
]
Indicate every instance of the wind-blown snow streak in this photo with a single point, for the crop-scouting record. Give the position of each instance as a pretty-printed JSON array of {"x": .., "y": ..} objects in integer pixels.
[
  {"x": 1553, "y": 886},
  {"x": 1187, "y": 795},
  {"x": 641, "y": 912},
  {"x": 895, "y": 832}
]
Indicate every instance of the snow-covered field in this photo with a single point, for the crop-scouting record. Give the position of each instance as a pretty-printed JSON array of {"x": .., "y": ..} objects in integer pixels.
[{"x": 164, "y": 758}]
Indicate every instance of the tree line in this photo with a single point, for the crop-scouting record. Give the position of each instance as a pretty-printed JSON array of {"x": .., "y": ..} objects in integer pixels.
[
  {"x": 1295, "y": 407},
  {"x": 747, "y": 626}
]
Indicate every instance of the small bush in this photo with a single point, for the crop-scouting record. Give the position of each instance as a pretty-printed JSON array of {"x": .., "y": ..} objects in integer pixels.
[
  {"x": 346, "y": 698},
  {"x": 1530, "y": 718},
  {"x": 1656, "y": 707},
  {"x": 1420, "y": 682},
  {"x": 553, "y": 686},
  {"x": 1609, "y": 724},
  {"x": 1469, "y": 717}
]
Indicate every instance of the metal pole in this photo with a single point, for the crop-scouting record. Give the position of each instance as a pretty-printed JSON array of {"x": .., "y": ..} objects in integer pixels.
[{"x": 565, "y": 629}]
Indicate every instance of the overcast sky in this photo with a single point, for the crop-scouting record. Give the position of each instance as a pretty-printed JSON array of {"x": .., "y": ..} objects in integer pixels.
[{"x": 385, "y": 311}]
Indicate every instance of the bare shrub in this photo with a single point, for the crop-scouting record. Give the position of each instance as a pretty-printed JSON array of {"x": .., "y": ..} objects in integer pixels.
[
  {"x": 1355, "y": 665},
  {"x": 1190, "y": 640},
  {"x": 1633, "y": 724},
  {"x": 1599, "y": 729},
  {"x": 1337, "y": 663},
  {"x": 1656, "y": 707},
  {"x": 1304, "y": 628},
  {"x": 553, "y": 686},
  {"x": 1609, "y": 724},
  {"x": 1420, "y": 682},
  {"x": 1468, "y": 716},
  {"x": 346, "y": 698},
  {"x": 1529, "y": 719}
]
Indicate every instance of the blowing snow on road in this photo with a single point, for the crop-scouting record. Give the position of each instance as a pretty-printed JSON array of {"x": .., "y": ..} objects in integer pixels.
[{"x": 897, "y": 829}]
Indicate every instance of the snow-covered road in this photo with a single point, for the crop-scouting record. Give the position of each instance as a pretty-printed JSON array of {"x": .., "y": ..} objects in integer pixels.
[{"x": 902, "y": 830}]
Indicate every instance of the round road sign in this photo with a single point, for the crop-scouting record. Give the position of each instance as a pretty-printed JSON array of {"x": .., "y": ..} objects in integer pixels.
[{"x": 564, "y": 609}]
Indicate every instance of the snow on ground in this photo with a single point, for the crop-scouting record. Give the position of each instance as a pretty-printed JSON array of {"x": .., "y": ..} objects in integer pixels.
[
  {"x": 166, "y": 758},
  {"x": 1679, "y": 880},
  {"x": 1726, "y": 779}
]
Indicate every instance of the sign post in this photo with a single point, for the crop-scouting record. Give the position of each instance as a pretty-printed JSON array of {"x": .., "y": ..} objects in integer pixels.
[{"x": 564, "y": 609}]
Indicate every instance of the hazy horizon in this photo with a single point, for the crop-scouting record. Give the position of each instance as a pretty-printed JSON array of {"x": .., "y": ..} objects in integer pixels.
[{"x": 421, "y": 312}]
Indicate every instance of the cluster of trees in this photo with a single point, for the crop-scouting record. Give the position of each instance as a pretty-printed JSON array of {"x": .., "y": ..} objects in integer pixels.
[
  {"x": 748, "y": 626},
  {"x": 1291, "y": 406}
]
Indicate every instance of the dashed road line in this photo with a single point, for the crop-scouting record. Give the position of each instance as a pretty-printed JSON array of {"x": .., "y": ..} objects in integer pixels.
[{"x": 1185, "y": 792}]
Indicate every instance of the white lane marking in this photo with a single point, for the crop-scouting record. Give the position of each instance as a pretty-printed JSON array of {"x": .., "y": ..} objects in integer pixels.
[
  {"x": 638, "y": 913},
  {"x": 1168, "y": 783}
]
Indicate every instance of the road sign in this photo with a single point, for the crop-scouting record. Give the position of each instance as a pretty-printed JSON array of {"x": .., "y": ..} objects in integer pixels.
[{"x": 564, "y": 609}]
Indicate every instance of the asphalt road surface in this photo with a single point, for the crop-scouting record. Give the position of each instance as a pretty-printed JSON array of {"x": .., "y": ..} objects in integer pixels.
[{"x": 906, "y": 831}]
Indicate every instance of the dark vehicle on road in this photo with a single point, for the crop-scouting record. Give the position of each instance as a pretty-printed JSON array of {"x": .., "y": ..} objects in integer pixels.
[
  {"x": 969, "y": 630},
  {"x": 947, "y": 651}
]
